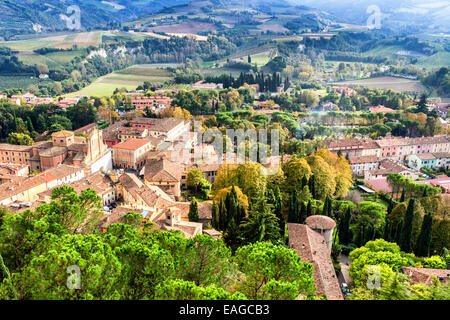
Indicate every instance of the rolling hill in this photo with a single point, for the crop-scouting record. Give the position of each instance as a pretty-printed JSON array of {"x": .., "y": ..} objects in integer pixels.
[{"x": 33, "y": 16}]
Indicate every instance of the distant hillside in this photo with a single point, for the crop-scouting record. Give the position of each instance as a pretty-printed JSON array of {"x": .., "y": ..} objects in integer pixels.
[
  {"x": 399, "y": 15},
  {"x": 29, "y": 16},
  {"x": 255, "y": 16}
]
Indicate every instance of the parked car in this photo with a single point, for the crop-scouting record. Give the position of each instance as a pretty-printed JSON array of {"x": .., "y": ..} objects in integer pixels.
[{"x": 345, "y": 289}]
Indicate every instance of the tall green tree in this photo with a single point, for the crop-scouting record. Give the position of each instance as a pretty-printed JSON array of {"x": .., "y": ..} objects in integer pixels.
[
  {"x": 293, "y": 212},
  {"x": 407, "y": 225},
  {"x": 424, "y": 240},
  {"x": 193, "y": 211}
]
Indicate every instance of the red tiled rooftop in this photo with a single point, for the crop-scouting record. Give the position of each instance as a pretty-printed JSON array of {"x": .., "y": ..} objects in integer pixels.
[
  {"x": 131, "y": 144},
  {"x": 320, "y": 222}
]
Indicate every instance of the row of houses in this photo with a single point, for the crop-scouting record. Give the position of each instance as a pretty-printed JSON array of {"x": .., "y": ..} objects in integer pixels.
[{"x": 397, "y": 149}]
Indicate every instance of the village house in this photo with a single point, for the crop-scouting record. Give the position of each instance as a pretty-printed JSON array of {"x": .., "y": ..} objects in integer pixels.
[
  {"x": 172, "y": 128},
  {"x": 381, "y": 109},
  {"x": 28, "y": 189},
  {"x": 131, "y": 153},
  {"x": 202, "y": 84},
  {"x": 354, "y": 147},
  {"x": 386, "y": 167},
  {"x": 67, "y": 102},
  {"x": 153, "y": 102},
  {"x": 362, "y": 164},
  {"x": 429, "y": 160},
  {"x": 99, "y": 182},
  {"x": 111, "y": 133},
  {"x": 349, "y": 92},
  {"x": 11, "y": 153},
  {"x": 13, "y": 169},
  {"x": 164, "y": 174},
  {"x": 126, "y": 133}
]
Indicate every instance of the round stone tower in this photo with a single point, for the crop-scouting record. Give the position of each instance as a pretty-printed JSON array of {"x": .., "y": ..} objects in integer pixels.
[{"x": 323, "y": 225}]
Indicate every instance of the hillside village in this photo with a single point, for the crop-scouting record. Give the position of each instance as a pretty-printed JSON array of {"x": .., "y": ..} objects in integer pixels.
[
  {"x": 210, "y": 150},
  {"x": 130, "y": 164}
]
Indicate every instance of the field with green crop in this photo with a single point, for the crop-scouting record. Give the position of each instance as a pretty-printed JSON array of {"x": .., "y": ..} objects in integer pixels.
[
  {"x": 396, "y": 84},
  {"x": 8, "y": 82},
  {"x": 129, "y": 78},
  {"x": 437, "y": 60}
]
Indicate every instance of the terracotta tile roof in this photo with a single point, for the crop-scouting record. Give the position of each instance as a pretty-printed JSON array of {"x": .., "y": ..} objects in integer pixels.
[
  {"x": 87, "y": 128},
  {"x": 162, "y": 125},
  {"x": 426, "y": 156},
  {"x": 440, "y": 155},
  {"x": 62, "y": 134},
  {"x": 110, "y": 133},
  {"x": 381, "y": 109},
  {"x": 352, "y": 143},
  {"x": 363, "y": 159},
  {"x": 379, "y": 185},
  {"x": 425, "y": 275},
  {"x": 320, "y": 222},
  {"x": 388, "y": 166},
  {"x": 132, "y": 144},
  {"x": 311, "y": 247},
  {"x": 131, "y": 130},
  {"x": 53, "y": 151},
  {"x": 13, "y": 147},
  {"x": 164, "y": 170}
]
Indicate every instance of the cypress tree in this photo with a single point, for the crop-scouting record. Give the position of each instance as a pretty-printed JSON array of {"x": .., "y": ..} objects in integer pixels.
[
  {"x": 390, "y": 206},
  {"x": 278, "y": 210},
  {"x": 222, "y": 216},
  {"x": 293, "y": 208},
  {"x": 30, "y": 125},
  {"x": 330, "y": 208},
  {"x": 398, "y": 231},
  {"x": 309, "y": 209},
  {"x": 424, "y": 192},
  {"x": 402, "y": 198},
  {"x": 231, "y": 235},
  {"x": 405, "y": 239},
  {"x": 387, "y": 231},
  {"x": 312, "y": 186},
  {"x": 424, "y": 239},
  {"x": 370, "y": 234},
  {"x": 302, "y": 215},
  {"x": 4, "y": 272},
  {"x": 360, "y": 237},
  {"x": 304, "y": 181},
  {"x": 344, "y": 227},
  {"x": 193, "y": 211},
  {"x": 325, "y": 207},
  {"x": 214, "y": 212}
]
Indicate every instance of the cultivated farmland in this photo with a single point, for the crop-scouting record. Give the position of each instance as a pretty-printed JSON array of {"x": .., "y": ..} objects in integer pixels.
[
  {"x": 396, "y": 84},
  {"x": 128, "y": 78}
]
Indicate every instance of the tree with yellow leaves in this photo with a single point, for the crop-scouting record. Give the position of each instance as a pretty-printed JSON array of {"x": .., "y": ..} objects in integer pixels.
[
  {"x": 324, "y": 175},
  {"x": 294, "y": 171},
  {"x": 342, "y": 169}
]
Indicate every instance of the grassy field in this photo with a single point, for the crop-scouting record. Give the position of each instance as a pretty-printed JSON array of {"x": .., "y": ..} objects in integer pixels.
[
  {"x": 8, "y": 82},
  {"x": 53, "y": 60},
  {"x": 64, "y": 41},
  {"x": 437, "y": 60},
  {"x": 129, "y": 78},
  {"x": 396, "y": 84},
  {"x": 384, "y": 51}
]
